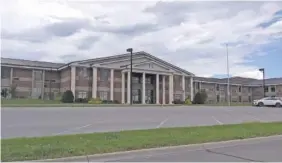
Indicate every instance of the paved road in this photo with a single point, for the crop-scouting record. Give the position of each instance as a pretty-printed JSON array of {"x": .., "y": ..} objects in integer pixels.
[
  {"x": 252, "y": 150},
  {"x": 30, "y": 122}
]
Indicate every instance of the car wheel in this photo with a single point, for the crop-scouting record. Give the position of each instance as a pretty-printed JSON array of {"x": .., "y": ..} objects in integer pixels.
[
  {"x": 278, "y": 105},
  {"x": 260, "y": 104}
]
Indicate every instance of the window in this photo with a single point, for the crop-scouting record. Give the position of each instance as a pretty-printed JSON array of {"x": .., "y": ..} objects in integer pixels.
[
  {"x": 266, "y": 89},
  {"x": 272, "y": 88},
  {"x": 240, "y": 99},
  {"x": 104, "y": 75},
  {"x": 217, "y": 98},
  {"x": 103, "y": 95},
  {"x": 5, "y": 72},
  {"x": 249, "y": 89},
  {"x": 250, "y": 99},
  {"x": 82, "y": 94},
  {"x": 198, "y": 85},
  {"x": 37, "y": 75},
  {"x": 217, "y": 87},
  {"x": 240, "y": 88}
]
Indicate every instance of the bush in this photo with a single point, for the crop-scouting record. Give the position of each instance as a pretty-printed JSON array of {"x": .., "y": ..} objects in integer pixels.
[
  {"x": 67, "y": 97},
  {"x": 81, "y": 100},
  {"x": 94, "y": 101},
  {"x": 178, "y": 101},
  {"x": 187, "y": 101},
  {"x": 200, "y": 97}
]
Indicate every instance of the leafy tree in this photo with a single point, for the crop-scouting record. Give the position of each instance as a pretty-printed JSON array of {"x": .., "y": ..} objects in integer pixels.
[
  {"x": 67, "y": 97},
  {"x": 4, "y": 92}
]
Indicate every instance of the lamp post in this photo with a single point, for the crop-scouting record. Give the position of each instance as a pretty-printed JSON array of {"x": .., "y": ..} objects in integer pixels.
[
  {"x": 130, "y": 50},
  {"x": 263, "y": 80}
]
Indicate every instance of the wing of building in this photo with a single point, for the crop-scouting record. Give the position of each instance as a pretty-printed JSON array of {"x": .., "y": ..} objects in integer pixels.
[{"x": 154, "y": 80}]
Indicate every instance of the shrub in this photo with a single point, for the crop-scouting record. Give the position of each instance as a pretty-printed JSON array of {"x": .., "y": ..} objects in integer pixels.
[
  {"x": 187, "y": 101},
  {"x": 200, "y": 97},
  {"x": 81, "y": 100},
  {"x": 204, "y": 95},
  {"x": 67, "y": 97},
  {"x": 178, "y": 101},
  {"x": 94, "y": 101}
]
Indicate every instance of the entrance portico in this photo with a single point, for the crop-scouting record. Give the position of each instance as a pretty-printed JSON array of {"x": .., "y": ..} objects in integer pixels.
[
  {"x": 150, "y": 86},
  {"x": 154, "y": 80}
]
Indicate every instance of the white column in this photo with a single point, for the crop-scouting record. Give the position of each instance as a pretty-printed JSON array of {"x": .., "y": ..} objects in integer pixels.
[
  {"x": 122, "y": 87},
  {"x": 163, "y": 78},
  {"x": 157, "y": 89},
  {"x": 183, "y": 88},
  {"x": 191, "y": 89},
  {"x": 170, "y": 89},
  {"x": 128, "y": 88},
  {"x": 43, "y": 83},
  {"x": 32, "y": 84},
  {"x": 112, "y": 84},
  {"x": 73, "y": 74},
  {"x": 94, "y": 82},
  {"x": 143, "y": 88},
  {"x": 11, "y": 76}
]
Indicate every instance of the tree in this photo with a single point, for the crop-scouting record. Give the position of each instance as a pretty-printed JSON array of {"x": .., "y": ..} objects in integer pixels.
[
  {"x": 67, "y": 97},
  {"x": 4, "y": 92},
  {"x": 13, "y": 90},
  {"x": 200, "y": 97}
]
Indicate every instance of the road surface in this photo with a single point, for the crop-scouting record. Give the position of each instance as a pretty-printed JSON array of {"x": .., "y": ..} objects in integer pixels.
[{"x": 34, "y": 122}]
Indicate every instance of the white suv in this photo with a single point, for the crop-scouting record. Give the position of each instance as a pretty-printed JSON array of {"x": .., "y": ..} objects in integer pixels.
[{"x": 268, "y": 101}]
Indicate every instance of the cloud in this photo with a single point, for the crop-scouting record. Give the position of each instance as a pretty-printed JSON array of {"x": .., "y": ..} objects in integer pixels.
[{"x": 191, "y": 35}]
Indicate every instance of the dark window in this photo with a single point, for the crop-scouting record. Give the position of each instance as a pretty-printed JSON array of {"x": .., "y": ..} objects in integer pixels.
[
  {"x": 38, "y": 75},
  {"x": 104, "y": 75},
  {"x": 217, "y": 87},
  {"x": 198, "y": 85},
  {"x": 240, "y": 99},
  {"x": 249, "y": 89},
  {"x": 240, "y": 88},
  {"x": 266, "y": 89},
  {"x": 272, "y": 88},
  {"x": 217, "y": 98},
  {"x": 16, "y": 79},
  {"x": 5, "y": 72}
]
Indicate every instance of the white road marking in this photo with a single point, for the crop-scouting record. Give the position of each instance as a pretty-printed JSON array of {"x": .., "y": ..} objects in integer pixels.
[
  {"x": 72, "y": 129},
  {"x": 219, "y": 122},
  {"x": 162, "y": 123}
]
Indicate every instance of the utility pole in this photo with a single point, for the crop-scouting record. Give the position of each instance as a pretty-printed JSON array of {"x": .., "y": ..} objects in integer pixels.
[{"x": 228, "y": 75}]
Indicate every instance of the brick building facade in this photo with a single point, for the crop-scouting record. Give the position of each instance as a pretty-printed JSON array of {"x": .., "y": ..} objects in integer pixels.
[{"x": 154, "y": 80}]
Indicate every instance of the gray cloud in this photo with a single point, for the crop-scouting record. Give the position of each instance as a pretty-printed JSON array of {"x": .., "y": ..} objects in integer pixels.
[
  {"x": 130, "y": 30},
  {"x": 87, "y": 42},
  {"x": 66, "y": 28},
  {"x": 71, "y": 57},
  {"x": 44, "y": 33}
]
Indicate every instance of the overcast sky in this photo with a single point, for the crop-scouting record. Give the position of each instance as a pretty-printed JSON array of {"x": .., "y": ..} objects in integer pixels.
[{"x": 190, "y": 35}]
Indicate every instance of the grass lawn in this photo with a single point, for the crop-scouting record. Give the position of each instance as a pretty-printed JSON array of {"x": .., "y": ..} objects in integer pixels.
[
  {"x": 55, "y": 103},
  {"x": 17, "y": 149}
]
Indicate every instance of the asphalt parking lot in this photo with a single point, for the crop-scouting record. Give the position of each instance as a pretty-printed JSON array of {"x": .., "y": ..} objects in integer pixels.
[{"x": 34, "y": 122}]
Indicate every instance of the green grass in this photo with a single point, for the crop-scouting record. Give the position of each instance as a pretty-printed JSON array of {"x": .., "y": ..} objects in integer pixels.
[
  {"x": 19, "y": 149},
  {"x": 54, "y": 103}
]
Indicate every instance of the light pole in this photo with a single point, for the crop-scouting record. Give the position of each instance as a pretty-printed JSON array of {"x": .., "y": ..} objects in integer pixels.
[
  {"x": 263, "y": 80},
  {"x": 130, "y": 50},
  {"x": 228, "y": 76}
]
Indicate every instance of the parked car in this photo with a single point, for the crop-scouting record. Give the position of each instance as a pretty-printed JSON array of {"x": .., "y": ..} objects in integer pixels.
[{"x": 268, "y": 101}]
